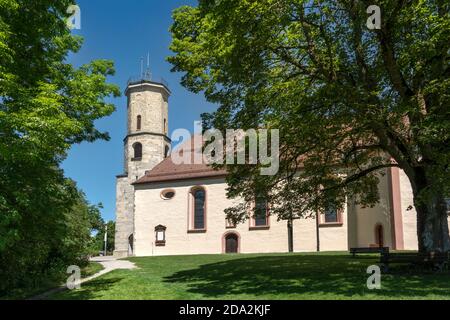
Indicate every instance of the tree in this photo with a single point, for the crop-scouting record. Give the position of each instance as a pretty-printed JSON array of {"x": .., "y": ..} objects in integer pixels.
[
  {"x": 76, "y": 243},
  {"x": 50, "y": 240},
  {"x": 46, "y": 105},
  {"x": 349, "y": 101}
]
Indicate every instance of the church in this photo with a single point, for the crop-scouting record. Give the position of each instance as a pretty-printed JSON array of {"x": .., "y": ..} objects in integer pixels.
[{"x": 163, "y": 208}]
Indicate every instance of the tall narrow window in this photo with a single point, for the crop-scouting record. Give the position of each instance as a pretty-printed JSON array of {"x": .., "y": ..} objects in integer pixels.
[
  {"x": 166, "y": 151},
  {"x": 138, "y": 123},
  {"x": 199, "y": 199},
  {"x": 137, "y": 151},
  {"x": 165, "y": 126},
  {"x": 130, "y": 244},
  {"x": 260, "y": 218}
]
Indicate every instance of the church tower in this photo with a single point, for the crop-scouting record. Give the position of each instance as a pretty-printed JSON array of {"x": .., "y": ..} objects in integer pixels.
[{"x": 146, "y": 144}]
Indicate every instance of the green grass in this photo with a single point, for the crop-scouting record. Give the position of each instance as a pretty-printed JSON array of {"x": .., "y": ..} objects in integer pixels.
[
  {"x": 91, "y": 269},
  {"x": 259, "y": 276}
]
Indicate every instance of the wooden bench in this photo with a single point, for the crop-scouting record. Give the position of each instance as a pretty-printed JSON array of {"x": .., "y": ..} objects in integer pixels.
[
  {"x": 381, "y": 250},
  {"x": 436, "y": 261}
]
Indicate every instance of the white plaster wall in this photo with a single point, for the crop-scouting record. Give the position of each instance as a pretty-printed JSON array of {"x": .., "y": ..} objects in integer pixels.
[
  {"x": 409, "y": 216},
  {"x": 305, "y": 235},
  {"x": 151, "y": 210},
  {"x": 334, "y": 238},
  {"x": 368, "y": 218}
]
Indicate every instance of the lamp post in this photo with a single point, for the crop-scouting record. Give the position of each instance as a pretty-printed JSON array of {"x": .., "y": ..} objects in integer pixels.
[{"x": 106, "y": 238}]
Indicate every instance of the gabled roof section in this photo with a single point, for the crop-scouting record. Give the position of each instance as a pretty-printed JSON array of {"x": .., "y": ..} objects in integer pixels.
[{"x": 167, "y": 170}]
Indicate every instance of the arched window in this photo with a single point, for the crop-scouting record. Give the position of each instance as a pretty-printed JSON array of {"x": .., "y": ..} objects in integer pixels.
[
  {"x": 261, "y": 212},
  {"x": 137, "y": 151},
  {"x": 138, "y": 122},
  {"x": 198, "y": 209},
  {"x": 130, "y": 244}
]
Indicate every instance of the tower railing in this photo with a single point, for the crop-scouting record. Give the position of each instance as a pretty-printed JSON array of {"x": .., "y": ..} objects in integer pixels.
[{"x": 147, "y": 78}]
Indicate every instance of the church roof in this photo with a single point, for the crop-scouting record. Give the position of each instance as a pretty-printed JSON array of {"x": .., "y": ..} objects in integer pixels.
[{"x": 167, "y": 170}]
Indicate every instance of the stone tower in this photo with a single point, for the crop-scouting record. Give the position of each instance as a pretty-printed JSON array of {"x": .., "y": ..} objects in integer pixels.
[{"x": 146, "y": 144}]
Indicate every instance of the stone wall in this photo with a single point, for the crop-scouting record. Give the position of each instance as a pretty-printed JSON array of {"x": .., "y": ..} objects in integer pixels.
[
  {"x": 124, "y": 215},
  {"x": 150, "y": 101}
]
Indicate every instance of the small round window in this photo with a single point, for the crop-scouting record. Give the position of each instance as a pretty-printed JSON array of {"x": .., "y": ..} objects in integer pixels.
[{"x": 167, "y": 194}]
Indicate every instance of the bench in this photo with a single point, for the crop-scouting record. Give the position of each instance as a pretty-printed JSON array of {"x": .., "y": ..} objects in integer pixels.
[
  {"x": 436, "y": 260},
  {"x": 381, "y": 250}
]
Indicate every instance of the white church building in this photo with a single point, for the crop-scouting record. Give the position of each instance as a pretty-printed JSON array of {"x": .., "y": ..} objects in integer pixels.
[{"x": 168, "y": 209}]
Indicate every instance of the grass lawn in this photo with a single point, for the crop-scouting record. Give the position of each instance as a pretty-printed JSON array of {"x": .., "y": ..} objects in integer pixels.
[
  {"x": 91, "y": 269},
  {"x": 259, "y": 276}
]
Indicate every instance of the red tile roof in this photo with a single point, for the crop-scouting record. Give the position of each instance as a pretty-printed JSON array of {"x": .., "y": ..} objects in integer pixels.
[{"x": 167, "y": 170}]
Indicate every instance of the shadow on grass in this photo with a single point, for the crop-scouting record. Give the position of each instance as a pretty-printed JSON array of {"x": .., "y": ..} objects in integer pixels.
[
  {"x": 89, "y": 290},
  {"x": 307, "y": 276}
]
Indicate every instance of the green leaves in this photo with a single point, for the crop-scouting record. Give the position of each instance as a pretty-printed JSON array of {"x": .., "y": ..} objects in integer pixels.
[
  {"x": 346, "y": 99},
  {"x": 46, "y": 105}
]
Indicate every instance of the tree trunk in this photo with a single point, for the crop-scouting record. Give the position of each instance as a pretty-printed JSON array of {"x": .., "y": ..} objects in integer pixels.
[
  {"x": 317, "y": 232},
  {"x": 290, "y": 235},
  {"x": 432, "y": 223},
  {"x": 432, "y": 226}
]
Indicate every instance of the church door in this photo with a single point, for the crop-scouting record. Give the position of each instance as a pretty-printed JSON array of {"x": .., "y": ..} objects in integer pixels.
[
  {"x": 379, "y": 235},
  {"x": 130, "y": 245},
  {"x": 231, "y": 243}
]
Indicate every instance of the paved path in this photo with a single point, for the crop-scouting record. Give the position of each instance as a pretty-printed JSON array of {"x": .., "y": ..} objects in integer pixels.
[{"x": 109, "y": 264}]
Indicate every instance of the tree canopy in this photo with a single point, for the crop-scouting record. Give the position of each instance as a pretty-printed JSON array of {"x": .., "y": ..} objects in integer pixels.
[
  {"x": 349, "y": 101},
  {"x": 46, "y": 105}
]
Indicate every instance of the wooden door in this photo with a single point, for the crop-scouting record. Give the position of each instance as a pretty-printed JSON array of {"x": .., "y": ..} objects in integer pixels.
[{"x": 231, "y": 243}]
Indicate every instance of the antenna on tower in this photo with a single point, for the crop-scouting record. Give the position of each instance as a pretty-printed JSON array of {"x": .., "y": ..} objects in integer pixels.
[
  {"x": 142, "y": 66},
  {"x": 148, "y": 73}
]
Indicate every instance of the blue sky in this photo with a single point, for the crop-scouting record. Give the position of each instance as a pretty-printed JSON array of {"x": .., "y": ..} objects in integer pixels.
[{"x": 124, "y": 31}]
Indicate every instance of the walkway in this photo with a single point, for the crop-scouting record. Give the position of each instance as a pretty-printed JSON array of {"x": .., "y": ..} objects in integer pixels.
[{"x": 109, "y": 263}]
